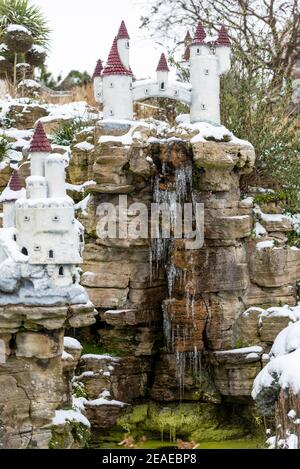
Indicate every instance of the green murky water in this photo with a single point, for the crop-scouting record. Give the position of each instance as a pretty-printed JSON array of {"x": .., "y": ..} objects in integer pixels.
[{"x": 98, "y": 443}]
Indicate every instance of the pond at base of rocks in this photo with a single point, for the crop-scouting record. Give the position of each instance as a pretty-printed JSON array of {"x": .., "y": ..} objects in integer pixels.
[{"x": 99, "y": 442}]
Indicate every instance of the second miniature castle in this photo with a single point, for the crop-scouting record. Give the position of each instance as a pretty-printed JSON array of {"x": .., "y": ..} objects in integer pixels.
[{"x": 207, "y": 58}]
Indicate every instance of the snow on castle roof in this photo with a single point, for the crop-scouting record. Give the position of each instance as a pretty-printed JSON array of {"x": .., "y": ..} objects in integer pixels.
[
  {"x": 40, "y": 142},
  {"x": 114, "y": 64},
  {"x": 14, "y": 189},
  {"x": 200, "y": 34},
  {"x": 162, "y": 64},
  {"x": 223, "y": 39},
  {"x": 98, "y": 69},
  {"x": 123, "y": 33}
]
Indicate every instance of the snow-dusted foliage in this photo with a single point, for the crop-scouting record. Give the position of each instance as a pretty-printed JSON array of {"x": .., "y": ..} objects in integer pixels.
[{"x": 276, "y": 388}]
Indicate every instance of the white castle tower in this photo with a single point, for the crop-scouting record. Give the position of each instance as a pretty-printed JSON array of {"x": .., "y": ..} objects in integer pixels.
[
  {"x": 8, "y": 198},
  {"x": 117, "y": 80},
  {"x": 206, "y": 58},
  {"x": 97, "y": 80},
  {"x": 47, "y": 231},
  {"x": 162, "y": 73},
  {"x": 207, "y": 62}
]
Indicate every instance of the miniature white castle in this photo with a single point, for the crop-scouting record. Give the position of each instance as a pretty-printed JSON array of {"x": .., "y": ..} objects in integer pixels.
[
  {"x": 207, "y": 58},
  {"x": 43, "y": 216}
]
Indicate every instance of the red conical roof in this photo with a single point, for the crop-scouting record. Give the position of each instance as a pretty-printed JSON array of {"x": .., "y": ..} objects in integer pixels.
[
  {"x": 162, "y": 64},
  {"x": 188, "y": 38},
  {"x": 123, "y": 33},
  {"x": 187, "y": 54},
  {"x": 15, "y": 182},
  {"x": 40, "y": 142},
  {"x": 223, "y": 39},
  {"x": 200, "y": 34},
  {"x": 98, "y": 69},
  {"x": 114, "y": 64}
]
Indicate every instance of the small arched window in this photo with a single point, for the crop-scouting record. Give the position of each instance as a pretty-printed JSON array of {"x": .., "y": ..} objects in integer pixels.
[
  {"x": 203, "y": 107},
  {"x": 24, "y": 251},
  {"x": 61, "y": 271},
  {"x": 15, "y": 237},
  {"x": 51, "y": 254},
  {"x": 111, "y": 85},
  {"x": 81, "y": 238},
  {"x": 111, "y": 112},
  {"x": 162, "y": 85},
  {"x": 127, "y": 45}
]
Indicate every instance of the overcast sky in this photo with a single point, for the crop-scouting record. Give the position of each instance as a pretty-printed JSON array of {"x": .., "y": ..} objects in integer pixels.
[{"x": 83, "y": 31}]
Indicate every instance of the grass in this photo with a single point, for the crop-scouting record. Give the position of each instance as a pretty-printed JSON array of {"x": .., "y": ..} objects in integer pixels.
[
  {"x": 96, "y": 349},
  {"x": 67, "y": 131}
]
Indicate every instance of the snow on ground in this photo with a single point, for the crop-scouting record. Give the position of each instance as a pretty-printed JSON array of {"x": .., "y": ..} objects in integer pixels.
[
  {"x": 269, "y": 244},
  {"x": 101, "y": 401},
  {"x": 248, "y": 350},
  {"x": 283, "y": 368},
  {"x": 72, "y": 343},
  {"x": 63, "y": 416},
  {"x": 83, "y": 205},
  {"x": 80, "y": 187},
  {"x": 99, "y": 357}
]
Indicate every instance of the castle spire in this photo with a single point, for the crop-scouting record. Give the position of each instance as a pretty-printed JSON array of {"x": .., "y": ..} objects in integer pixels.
[
  {"x": 40, "y": 142},
  {"x": 15, "y": 182},
  {"x": 200, "y": 35},
  {"x": 114, "y": 64},
  {"x": 223, "y": 39},
  {"x": 162, "y": 64},
  {"x": 123, "y": 33},
  {"x": 98, "y": 69},
  {"x": 187, "y": 39}
]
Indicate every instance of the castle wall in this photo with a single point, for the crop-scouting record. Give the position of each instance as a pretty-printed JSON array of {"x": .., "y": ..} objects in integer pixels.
[
  {"x": 150, "y": 89},
  {"x": 43, "y": 230}
]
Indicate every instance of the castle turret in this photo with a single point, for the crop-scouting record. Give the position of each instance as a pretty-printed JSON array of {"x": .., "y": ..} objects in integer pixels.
[
  {"x": 8, "y": 198},
  {"x": 55, "y": 176},
  {"x": 117, "y": 87},
  {"x": 205, "y": 80},
  {"x": 186, "y": 55},
  {"x": 123, "y": 45},
  {"x": 39, "y": 149},
  {"x": 223, "y": 51},
  {"x": 97, "y": 81},
  {"x": 162, "y": 73}
]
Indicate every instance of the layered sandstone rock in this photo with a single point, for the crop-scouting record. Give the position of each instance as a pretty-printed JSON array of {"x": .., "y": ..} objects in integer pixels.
[{"x": 35, "y": 377}]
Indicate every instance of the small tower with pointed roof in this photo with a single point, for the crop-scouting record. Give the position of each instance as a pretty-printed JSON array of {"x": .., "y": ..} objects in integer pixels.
[
  {"x": 162, "y": 71},
  {"x": 97, "y": 81},
  {"x": 223, "y": 51},
  {"x": 207, "y": 62},
  {"x": 8, "y": 198},
  {"x": 123, "y": 40},
  {"x": 117, "y": 80}
]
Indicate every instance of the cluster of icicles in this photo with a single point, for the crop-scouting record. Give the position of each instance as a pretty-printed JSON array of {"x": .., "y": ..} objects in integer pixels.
[{"x": 159, "y": 257}]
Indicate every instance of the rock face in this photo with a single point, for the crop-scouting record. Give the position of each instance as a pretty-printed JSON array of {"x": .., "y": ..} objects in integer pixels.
[
  {"x": 34, "y": 379},
  {"x": 173, "y": 324},
  {"x": 185, "y": 312}
]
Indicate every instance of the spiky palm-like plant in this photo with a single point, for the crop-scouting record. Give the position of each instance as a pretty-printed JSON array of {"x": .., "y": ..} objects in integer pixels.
[{"x": 23, "y": 13}]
